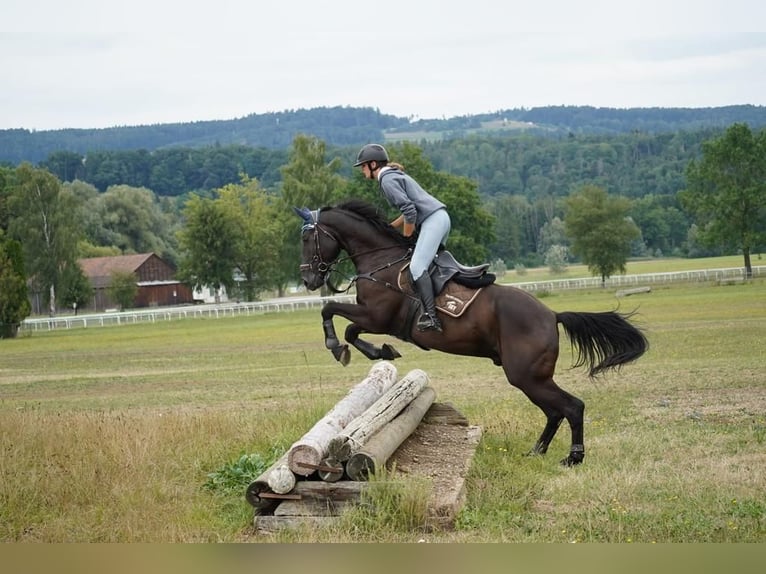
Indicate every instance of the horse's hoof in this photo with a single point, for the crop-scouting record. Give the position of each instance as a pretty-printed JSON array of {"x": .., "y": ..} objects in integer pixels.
[
  {"x": 572, "y": 460},
  {"x": 388, "y": 353},
  {"x": 342, "y": 354}
]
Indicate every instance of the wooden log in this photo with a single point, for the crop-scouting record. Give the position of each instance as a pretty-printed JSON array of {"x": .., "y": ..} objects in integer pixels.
[
  {"x": 376, "y": 452},
  {"x": 383, "y": 411},
  {"x": 633, "y": 291},
  {"x": 261, "y": 485},
  {"x": 281, "y": 480},
  {"x": 331, "y": 470},
  {"x": 306, "y": 454}
]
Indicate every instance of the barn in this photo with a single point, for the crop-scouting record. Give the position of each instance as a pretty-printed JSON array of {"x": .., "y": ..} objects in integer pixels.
[{"x": 155, "y": 277}]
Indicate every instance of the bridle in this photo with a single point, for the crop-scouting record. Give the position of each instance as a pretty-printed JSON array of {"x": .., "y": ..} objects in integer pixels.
[
  {"x": 325, "y": 269},
  {"x": 318, "y": 264}
]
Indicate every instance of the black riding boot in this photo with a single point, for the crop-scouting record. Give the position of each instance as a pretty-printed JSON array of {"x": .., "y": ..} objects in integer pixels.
[{"x": 428, "y": 321}]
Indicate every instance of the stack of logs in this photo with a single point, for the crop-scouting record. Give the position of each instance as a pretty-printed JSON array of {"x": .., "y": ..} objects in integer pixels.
[{"x": 352, "y": 441}]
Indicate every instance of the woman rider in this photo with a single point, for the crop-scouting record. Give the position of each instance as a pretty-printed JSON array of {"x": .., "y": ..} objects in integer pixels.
[{"x": 420, "y": 212}]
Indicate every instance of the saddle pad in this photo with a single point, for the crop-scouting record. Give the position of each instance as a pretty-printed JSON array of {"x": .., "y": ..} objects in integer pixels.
[{"x": 453, "y": 300}]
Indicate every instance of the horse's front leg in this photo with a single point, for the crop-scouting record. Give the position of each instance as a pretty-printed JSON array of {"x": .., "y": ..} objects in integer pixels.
[
  {"x": 361, "y": 320},
  {"x": 385, "y": 352},
  {"x": 340, "y": 352}
]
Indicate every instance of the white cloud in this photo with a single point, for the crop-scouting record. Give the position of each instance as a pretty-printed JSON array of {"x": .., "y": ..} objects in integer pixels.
[{"x": 87, "y": 63}]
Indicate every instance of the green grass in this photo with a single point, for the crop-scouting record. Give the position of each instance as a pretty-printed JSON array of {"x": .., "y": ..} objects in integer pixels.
[
  {"x": 636, "y": 267},
  {"x": 110, "y": 434}
]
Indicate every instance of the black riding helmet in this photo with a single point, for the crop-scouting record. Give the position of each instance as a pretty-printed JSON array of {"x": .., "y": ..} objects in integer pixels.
[{"x": 371, "y": 152}]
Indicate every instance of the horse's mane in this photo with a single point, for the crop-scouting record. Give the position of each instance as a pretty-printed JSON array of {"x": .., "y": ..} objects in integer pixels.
[{"x": 371, "y": 214}]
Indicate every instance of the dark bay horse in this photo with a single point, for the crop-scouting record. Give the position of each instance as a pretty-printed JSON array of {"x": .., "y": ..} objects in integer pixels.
[{"x": 504, "y": 324}]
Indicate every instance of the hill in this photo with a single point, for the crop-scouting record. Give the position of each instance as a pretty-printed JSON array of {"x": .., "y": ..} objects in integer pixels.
[{"x": 349, "y": 126}]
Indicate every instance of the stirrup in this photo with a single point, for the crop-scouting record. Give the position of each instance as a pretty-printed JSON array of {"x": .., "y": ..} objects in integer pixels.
[{"x": 427, "y": 322}]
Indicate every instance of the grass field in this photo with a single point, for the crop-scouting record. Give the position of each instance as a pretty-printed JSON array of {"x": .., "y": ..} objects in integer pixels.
[
  {"x": 635, "y": 267},
  {"x": 109, "y": 434}
]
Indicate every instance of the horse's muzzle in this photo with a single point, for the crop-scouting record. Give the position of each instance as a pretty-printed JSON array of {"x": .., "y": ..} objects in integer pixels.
[{"x": 312, "y": 281}]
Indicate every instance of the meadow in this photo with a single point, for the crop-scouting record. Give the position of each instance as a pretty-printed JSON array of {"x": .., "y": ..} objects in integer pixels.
[{"x": 111, "y": 434}]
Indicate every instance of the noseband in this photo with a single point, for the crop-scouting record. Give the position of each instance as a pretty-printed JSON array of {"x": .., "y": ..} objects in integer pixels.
[{"x": 317, "y": 264}]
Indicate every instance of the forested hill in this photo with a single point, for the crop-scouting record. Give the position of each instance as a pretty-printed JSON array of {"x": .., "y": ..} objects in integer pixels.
[{"x": 348, "y": 126}]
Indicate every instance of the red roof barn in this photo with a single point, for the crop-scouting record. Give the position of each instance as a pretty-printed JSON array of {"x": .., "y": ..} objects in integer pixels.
[{"x": 155, "y": 278}]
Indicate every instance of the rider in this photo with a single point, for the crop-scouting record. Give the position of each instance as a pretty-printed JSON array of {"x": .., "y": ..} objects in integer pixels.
[{"x": 421, "y": 213}]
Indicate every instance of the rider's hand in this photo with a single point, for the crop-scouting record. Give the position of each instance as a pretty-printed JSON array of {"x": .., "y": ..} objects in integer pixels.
[{"x": 409, "y": 229}]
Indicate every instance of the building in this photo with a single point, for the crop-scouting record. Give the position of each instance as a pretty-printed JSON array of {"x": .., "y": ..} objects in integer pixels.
[{"x": 157, "y": 285}]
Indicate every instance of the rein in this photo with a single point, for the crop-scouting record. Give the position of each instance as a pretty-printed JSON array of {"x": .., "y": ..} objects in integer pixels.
[{"x": 319, "y": 265}]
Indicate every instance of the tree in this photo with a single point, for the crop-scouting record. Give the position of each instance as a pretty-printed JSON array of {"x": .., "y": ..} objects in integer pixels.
[
  {"x": 600, "y": 230},
  {"x": 663, "y": 225},
  {"x": 308, "y": 180},
  {"x": 123, "y": 288},
  {"x": 131, "y": 219},
  {"x": 208, "y": 242},
  {"x": 75, "y": 291},
  {"x": 257, "y": 249},
  {"x": 14, "y": 302},
  {"x": 6, "y": 175},
  {"x": 726, "y": 191},
  {"x": 42, "y": 220}
]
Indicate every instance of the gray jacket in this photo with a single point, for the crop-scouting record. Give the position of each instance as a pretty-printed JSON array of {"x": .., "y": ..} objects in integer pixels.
[{"x": 406, "y": 194}]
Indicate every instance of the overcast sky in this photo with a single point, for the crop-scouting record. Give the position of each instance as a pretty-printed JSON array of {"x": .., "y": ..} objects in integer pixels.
[{"x": 98, "y": 63}]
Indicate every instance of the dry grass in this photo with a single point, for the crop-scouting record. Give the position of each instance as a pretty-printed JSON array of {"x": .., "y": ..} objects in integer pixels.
[{"x": 108, "y": 434}]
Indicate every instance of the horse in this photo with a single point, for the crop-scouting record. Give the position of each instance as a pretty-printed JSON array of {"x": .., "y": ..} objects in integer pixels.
[{"x": 505, "y": 324}]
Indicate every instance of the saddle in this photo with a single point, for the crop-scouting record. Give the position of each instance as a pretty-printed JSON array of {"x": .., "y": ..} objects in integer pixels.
[
  {"x": 455, "y": 285},
  {"x": 445, "y": 267}
]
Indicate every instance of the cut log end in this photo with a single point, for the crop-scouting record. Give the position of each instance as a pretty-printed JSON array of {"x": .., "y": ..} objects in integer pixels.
[
  {"x": 304, "y": 459},
  {"x": 331, "y": 470},
  {"x": 360, "y": 466},
  {"x": 281, "y": 479}
]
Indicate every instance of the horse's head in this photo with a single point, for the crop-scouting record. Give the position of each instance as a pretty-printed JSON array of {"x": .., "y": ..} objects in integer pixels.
[{"x": 320, "y": 249}]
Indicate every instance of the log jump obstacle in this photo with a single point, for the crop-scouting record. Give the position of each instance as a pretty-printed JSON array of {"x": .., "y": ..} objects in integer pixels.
[{"x": 381, "y": 417}]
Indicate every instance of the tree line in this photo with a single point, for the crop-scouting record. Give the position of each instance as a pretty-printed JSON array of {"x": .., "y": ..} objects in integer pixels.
[
  {"x": 242, "y": 235},
  {"x": 340, "y": 126},
  {"x": 525, "y": 178}
]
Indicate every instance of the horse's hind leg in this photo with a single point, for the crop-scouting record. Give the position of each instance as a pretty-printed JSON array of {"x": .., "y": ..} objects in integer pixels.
[{"x": 557, "y": 405}]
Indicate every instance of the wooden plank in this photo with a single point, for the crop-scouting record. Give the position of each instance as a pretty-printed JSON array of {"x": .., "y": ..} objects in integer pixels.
[
  {"x": 306, "y": 454},
  {"x": 311, "y": 507},
  {"x": 274, "y": 524},
  {"x": 444, "y": 414},
  {"x": 319, "y": 490}
]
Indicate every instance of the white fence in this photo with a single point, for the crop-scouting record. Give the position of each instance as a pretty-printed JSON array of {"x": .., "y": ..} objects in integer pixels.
[
  {"x": 185, "y": 312},
  {"x": 701, "y": 275},
  {"x": 295, "y": 303}
]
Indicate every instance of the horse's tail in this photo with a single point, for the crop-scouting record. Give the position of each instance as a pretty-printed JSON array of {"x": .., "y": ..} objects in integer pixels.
[{"x": 603, "y": 340}]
